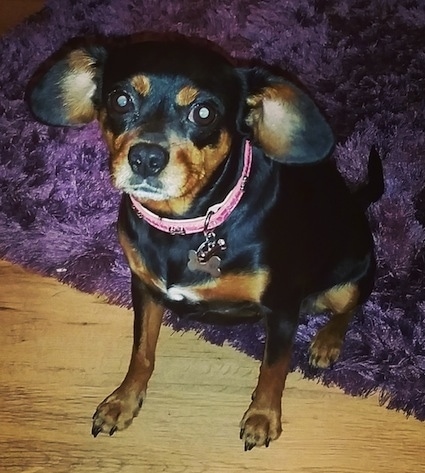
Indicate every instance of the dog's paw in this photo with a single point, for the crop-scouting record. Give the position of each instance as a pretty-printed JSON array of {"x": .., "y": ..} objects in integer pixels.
[
  {"x": 259, "y": 427},
  {"x": 116, "y": 412},
  {"x": 325, "y": 348}
]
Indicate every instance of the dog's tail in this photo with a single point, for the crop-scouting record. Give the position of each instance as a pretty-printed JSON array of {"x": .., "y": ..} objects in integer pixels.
[{"x": 373, "y": 189}]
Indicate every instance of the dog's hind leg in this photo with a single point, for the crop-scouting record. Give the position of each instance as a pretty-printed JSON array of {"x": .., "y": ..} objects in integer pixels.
[{"x": 341, "y": 301}]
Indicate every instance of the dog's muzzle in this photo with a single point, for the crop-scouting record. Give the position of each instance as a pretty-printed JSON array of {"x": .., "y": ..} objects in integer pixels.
[{"x": 147, "y": 159}]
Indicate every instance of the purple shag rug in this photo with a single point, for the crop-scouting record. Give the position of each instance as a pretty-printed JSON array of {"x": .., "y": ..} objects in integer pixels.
[{"x": 363, "y": 61}]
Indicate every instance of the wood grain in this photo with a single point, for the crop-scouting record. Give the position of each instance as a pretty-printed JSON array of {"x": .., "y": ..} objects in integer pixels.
[{"x": 62, "y": 352}]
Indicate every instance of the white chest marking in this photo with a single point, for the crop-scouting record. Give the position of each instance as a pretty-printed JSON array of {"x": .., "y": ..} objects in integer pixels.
[{"x": 180, "y": 293}]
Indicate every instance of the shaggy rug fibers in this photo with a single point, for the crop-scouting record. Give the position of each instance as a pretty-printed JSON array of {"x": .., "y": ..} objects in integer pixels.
[{"x": 364, "y": 62}]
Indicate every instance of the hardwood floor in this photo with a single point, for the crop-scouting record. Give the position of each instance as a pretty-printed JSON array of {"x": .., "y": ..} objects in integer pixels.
[
  {"x": 14, "y": 11},
  {"x": 62, "y": 351}
]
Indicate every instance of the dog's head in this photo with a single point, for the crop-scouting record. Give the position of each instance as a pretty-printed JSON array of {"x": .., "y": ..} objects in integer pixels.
[{"x": 171, "y": 111}]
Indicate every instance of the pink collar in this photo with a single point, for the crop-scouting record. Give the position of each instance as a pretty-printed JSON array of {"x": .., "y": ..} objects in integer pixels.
[{"x": 215, "y": 215}]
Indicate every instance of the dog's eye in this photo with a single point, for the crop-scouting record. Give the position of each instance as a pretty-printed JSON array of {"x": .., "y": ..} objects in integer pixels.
[
  {"x": 202, "y": 114},
  {"x": 120, "y": 102}
]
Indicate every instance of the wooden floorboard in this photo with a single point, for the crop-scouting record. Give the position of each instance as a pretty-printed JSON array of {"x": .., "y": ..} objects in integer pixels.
[{"x": 62, "y": 351}]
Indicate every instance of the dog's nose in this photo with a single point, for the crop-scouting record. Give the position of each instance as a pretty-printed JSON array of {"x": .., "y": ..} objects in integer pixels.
[{"x": 147, "y": 159}]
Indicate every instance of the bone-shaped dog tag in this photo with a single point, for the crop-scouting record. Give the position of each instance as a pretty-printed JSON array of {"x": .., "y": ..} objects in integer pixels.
[
  {"x": 211, "y": 266},
  {"x": 206, "y": 258}
]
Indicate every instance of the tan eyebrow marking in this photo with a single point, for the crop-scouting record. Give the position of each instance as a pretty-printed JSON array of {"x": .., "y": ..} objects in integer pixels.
[
  {"x": 142, "y": 84},
  {"x": 187, "y": 95}
]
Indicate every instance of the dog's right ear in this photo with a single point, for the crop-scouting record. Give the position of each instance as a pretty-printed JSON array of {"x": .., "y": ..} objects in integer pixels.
[{"x": 65, "y": 91}]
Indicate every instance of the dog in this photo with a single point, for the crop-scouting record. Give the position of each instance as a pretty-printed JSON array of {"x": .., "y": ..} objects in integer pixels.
[{"x": 232, "y": 209}]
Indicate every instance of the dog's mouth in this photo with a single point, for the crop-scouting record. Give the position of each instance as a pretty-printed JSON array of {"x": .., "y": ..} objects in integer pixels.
[
  {"x": 150, "y": 188},
  {"x": 138, "y": 169},
  {"x": 170, "y": 176},
  {"x": 171, "y": 185}
]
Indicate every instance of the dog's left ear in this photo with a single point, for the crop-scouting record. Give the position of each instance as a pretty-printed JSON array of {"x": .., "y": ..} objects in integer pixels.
[{"x": 283, "y": 120}]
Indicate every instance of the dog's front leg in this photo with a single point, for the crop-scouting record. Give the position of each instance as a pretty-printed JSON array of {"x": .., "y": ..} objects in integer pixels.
[
  {"x": 261, "y": 423},
  {"x": 118, "y": 410}
]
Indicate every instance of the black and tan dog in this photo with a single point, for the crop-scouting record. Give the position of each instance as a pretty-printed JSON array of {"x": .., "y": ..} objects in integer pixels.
[{"x": 231, "y": 209}]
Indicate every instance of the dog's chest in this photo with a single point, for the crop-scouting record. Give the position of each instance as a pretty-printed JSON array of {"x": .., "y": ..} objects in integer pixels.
[{"x": 168, "y": 272}]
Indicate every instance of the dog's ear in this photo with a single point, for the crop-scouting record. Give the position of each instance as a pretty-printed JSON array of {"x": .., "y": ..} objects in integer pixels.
[
  {"x": 65, "y": 90},
  {"x": 283, "y": 120}
]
